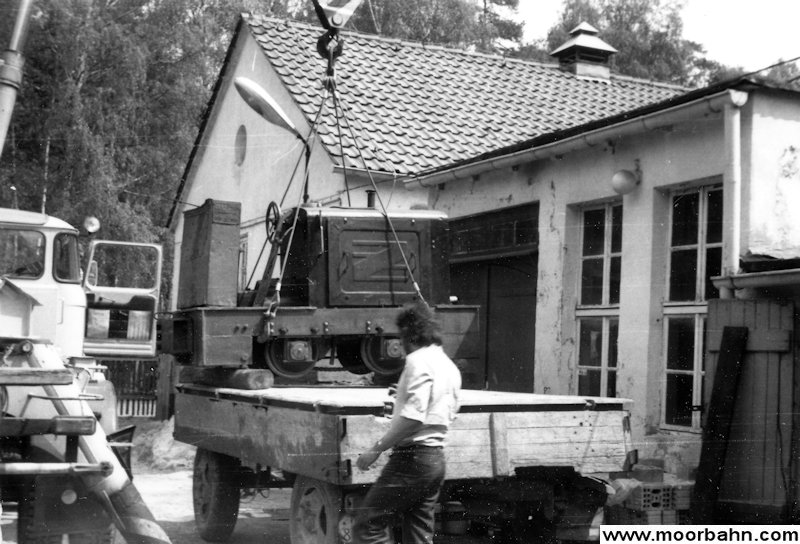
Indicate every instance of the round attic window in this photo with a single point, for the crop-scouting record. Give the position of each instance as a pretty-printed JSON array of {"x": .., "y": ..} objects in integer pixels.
[{"x": 240, "y": 146}]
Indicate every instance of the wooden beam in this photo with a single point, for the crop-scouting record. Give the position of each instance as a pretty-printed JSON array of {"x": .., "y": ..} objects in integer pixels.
[
  {"x": 717, "y": 430},
  {"x": 498, "y": 441},
  {"x": 770, "y": 340},
  {"x": 62, "y": 425},
  {"x": 35, "y": 376}
]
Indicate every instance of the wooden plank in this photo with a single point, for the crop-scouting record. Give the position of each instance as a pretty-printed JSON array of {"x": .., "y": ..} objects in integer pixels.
[
  {"x": 758, "y": 340},
  {"x": 498, "y": 444},
  {"x": 236, "y": 378},
  {"x": 35, "y": 376},
  {"x": 720, "y": 413},
  {"x": 74, "y": 425}
]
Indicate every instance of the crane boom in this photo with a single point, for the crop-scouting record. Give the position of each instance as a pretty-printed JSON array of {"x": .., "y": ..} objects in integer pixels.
[{"x": 11, "y": 63}]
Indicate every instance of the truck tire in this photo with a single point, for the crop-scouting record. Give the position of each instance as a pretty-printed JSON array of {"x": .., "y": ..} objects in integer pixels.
[
  {"x": 215, "y": 494},
  {"x": 315, "y": 511}
]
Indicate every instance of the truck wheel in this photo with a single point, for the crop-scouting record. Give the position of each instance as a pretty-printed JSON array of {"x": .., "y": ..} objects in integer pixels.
[
  {"x": 315, "y": 511},
  {"x": 215, "y": 494}
]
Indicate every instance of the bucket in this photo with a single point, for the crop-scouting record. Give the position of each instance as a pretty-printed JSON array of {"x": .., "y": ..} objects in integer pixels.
[{"x": 454, "y": 518}]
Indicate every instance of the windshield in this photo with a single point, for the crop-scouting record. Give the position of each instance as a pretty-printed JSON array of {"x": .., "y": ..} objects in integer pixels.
[
  {"x": 21, "y": 253},
  {"x": 124, "y": 266}
]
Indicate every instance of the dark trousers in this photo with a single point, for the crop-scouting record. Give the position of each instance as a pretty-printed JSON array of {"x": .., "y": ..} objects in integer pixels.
[{"x": 409, "y": 487}]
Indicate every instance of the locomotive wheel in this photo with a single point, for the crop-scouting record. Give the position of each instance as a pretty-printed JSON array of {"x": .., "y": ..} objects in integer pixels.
[
  {"x": 215, "y": 495},
  {"x": 349, "y": 354},
  {"x": 282, "y": 365},
  {"x": 383, "y": 364},
  {"x": 315, "y": 511}
]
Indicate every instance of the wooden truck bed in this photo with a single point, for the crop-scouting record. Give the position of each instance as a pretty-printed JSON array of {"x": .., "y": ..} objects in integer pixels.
[{"x": 320, "y": 431}]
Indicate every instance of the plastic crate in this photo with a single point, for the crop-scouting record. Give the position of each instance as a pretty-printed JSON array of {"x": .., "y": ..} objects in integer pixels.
[
  {"x": 669, "y": 517},
  {"x": 651, "y": 497},
  {"x": 682, "y": 496},
  {"x": 620, "y": 515},
  {"x": 684, "y": 517}
]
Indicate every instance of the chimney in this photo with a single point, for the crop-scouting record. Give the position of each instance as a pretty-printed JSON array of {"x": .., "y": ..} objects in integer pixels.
[{"x": 584, "y": 54}]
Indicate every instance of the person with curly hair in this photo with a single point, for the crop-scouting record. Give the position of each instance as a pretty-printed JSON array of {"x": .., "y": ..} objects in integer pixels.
[{"x": 425, "y": 406}]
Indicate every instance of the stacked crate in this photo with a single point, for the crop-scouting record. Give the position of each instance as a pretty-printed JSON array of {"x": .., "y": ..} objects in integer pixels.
[{"x": 653, "y": 503}]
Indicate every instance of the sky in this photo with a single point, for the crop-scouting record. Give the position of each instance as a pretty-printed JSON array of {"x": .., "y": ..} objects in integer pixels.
[{"x": 747, "y": 33}]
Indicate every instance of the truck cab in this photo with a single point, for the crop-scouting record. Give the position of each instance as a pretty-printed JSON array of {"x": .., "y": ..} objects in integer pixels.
[
  {"x": 108, "y": 311},
  {"x": 40, "y": 265}
]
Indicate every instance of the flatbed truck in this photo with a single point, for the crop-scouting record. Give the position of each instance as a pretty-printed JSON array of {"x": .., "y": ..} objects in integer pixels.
[{"x": 252, "y": 397}]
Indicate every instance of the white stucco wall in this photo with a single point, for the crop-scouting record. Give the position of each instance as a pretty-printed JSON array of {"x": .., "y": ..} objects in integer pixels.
[
  {"x": 270, "y": 156},
  {"x": 772, "y": 226},
  {"x": 669, "y": 158}
]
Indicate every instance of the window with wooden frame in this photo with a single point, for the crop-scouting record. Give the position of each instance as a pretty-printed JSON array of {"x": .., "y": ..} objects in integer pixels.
[
  {"x": 597, "y": 314},
  {"x": 695, "y": 256}
]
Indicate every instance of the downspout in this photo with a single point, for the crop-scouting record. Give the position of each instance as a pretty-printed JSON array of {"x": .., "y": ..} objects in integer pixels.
[{"x": 732, "y": 187}]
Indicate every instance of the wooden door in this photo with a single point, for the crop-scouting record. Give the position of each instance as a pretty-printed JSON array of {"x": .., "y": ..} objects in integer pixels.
[
  {"x": 757, "y": 475},
  {"x": 505, "y": 289}
]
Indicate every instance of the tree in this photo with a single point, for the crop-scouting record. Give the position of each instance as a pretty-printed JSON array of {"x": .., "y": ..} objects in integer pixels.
[
  {"x": 461, "y": 23},
  {"x": 110, "y": 106}
]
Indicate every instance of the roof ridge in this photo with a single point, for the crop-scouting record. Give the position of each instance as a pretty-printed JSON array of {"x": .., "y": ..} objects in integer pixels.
[
  {"x": 453, "y": 49},
  {"x": 665, "y": 84}
]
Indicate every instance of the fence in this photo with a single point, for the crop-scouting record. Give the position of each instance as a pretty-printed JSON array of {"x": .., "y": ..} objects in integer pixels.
[{"x": 136, "y": 385}]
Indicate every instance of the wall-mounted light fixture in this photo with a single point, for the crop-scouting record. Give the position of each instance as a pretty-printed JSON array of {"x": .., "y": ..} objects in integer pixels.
[{"x": 625, "y": 181}]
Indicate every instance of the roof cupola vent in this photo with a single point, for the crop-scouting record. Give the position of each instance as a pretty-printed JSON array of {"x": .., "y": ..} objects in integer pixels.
[{"x": 585, "y": 54}]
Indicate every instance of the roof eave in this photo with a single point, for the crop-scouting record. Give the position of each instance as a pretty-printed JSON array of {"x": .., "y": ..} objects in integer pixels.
[{"x": 710, "y": 99}]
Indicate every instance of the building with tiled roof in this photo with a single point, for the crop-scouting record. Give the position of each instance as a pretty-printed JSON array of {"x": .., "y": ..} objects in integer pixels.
[
  {"x": 415, "y": 106},
  {"x": 602, "y": 223}
]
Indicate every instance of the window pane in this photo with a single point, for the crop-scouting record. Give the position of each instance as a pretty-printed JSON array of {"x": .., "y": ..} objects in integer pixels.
[
  {"x": 66, "y": 264},
  {"x": 683, "y": 275},
  {"x": 680, "y": 344},
  {"x": 613, "y": 335},
  {"x": 591, "y": 342},
  {"x": 526, "y": 232},
  {"x": 502, "y": 235},
  {"x": 614, "y": 281},
  {"x": 713, "y": 268},
  {"x": 679, "y": 400},
  {"x": 592, "y": 282},
  {"x": 21, "y": 253},
  {"x": 611, "y": 386},
  {"x": 714, "y": 232},
  {"x": 594, "y": 229},
  {"x": 125, "y": 266},
  {"x": 684, "y": 219},
  {"x": 589, "y": 382},
  {"x": 616, "y": 229}
]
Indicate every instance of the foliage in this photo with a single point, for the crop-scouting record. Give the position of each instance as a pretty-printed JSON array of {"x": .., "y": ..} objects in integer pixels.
[
  {"x": 462, "y": 23},
  {"x": 648, "y": 35},
  {"x": 109, "y": 107}
]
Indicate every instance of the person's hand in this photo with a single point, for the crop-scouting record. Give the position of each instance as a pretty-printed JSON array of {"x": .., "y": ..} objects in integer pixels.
[{"x": 366, "y": 459}]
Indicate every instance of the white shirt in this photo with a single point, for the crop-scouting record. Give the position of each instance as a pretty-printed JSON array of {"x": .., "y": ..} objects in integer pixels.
[{"x": 428, "y": 392}]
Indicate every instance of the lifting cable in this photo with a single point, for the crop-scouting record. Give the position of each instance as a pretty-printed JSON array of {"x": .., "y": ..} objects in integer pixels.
[
  {"x": 329, "y": 86},
  {"x": 337, "y": 103},
  {"x": 307, "y": 142}
]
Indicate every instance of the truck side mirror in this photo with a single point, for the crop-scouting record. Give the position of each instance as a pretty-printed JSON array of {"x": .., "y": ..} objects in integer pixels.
[{"x": 91, "y": 274}]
